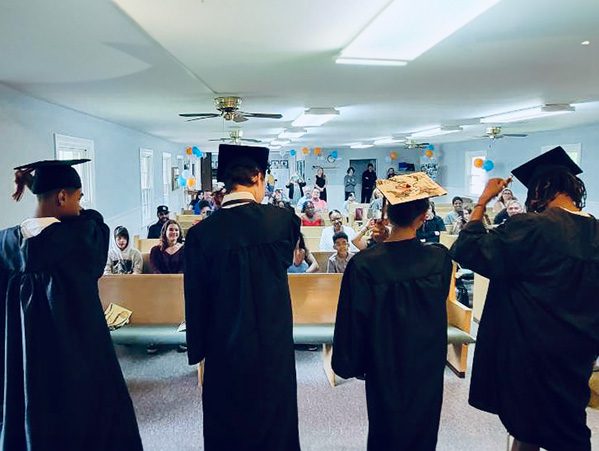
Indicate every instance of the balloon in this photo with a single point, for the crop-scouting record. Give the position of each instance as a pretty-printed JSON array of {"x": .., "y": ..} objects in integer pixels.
[
  {"x": 478, "y": 163},
  {"x": 196, "y": 151},
  {"x": 292, "y": 152},
  {"x": 430, "y": 147},
  {"x": 488, "y": 165},
  {"x": 191, "y": 182},
  {"x": 182, "y": 181},
  {"x": 305, "y": 150},
  {"x": 393, "y": 155},
  {"x": 429, "y": 153},
  {"x": 334, "y": 154},
  {"x": 317, "y": 151},
  {"x": 188, "y": 151}
]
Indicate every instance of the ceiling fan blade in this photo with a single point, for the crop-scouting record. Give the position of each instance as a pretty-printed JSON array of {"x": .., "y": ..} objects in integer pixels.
[
  {"x": 239, "y": 118},
  {"x": 515, "y": 135},
  {"x": 220, "y": 140},
  {"x": 250, "y": 140},
  {"x": 199, "y": 118},
  {"x": 262, "y": 115},
  {"x": 199, "y": 115}
]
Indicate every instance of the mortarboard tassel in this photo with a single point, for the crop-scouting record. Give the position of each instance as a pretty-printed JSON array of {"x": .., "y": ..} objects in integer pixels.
[{"x": 22, "y": 179}]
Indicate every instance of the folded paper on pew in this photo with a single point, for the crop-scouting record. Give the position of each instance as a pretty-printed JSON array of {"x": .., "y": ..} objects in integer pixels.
[
  {"x": 182, "y": 327},
  {"x": 117, "y": 316}
]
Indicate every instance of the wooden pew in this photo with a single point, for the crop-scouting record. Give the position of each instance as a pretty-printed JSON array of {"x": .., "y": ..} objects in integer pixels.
[
  {"x": 447, "y": 240},
  {"x": 146, "y": 244},
  {"x": 312, "y": 231},
  {"x": 158, "y": 308},
  {"x": 322, "y": 257}
]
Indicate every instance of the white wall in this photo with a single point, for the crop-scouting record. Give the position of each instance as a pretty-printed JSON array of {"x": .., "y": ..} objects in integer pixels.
[
  {"x": 27, "y": 128},
  {"x": 509, "y": 153}
]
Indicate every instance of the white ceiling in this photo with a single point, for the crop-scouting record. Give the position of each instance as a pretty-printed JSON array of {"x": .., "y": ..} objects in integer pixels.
[{"x": 140, "y": 62}]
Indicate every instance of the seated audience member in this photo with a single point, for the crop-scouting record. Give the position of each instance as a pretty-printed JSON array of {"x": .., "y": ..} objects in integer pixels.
[
  {"x": 375, "y": 231},
  {"x": 199, "y": 195},
  {"x": 461, "y": 221},
  {"x": 167, "y": 257},
  {"x": 391, "y": 173},
  {"x": 319, "y": 204},
  {"x": 376, "y": 206},
  {"x": 202, "y": 208},
  {"x": 217, "y": 197},
  {"x": 351, "y": 199},
  {"x": 432, "y": 226},
  {"x": 305, "y": 198},
  {"x": 452, "y": 216},
  {"x": 303, "y": 260},
  {"x": 391, "y": 327},
  {"x": 123, "y": 258},
  {"x": 326, "y": 239},
  {"x": 309, "y": 215},
  {"x": 505, "y": 196},
  {"x": 155, "y": 229},
  {"x": 514, "y": 207},
  {"x": 338, "y": 261}
]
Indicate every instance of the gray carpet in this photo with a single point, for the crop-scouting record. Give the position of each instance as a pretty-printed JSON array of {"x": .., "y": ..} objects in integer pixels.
[{"x": 168, "y": 405}]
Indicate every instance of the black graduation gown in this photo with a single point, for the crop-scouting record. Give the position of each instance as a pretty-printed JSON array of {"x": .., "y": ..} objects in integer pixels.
[
  {"x": 539, "y": 332},
  {"x": 238, "y": 313},
  {"x": 62, "y": 387},
  {"x": 392, "y": 327}
]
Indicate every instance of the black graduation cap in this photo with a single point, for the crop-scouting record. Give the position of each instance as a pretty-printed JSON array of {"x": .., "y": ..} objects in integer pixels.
[
  {"x": 53, "y": 174},
  {"x": 552, "y": 159},
  {"x": 231, "y": 155}
]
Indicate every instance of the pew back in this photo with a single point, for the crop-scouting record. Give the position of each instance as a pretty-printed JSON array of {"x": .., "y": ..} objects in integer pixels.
[{"x": 314, "y": 297}]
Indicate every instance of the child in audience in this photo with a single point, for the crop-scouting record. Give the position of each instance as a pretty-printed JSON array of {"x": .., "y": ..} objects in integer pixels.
[
  {"x": 351, "y": 198},
  {"x": 167, "y": 257},
  {"x": 123, "y": 258},
  {"x": 303, "y": 260},
  {"x": 432, "y": 227},
  {"x": 338, "y": 261},
  {"x": 309, "y": 215}
]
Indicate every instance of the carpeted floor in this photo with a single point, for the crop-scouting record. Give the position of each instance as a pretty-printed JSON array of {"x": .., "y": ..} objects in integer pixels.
[{"x": 168, "y": 405}]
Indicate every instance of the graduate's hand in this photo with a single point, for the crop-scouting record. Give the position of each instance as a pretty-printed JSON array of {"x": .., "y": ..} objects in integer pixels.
[{"x": 493, "y": 188}]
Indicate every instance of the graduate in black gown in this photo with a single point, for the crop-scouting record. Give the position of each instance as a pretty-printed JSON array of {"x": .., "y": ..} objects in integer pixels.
[
  {"x": 539, "y": 333},
  {"x": 391, "y": 326},
  {"x": 61, "y": 384},
  {"x": 238, "y": 311}
]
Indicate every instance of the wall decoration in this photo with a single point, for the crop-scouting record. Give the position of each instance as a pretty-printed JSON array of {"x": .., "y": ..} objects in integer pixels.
[
  {"x": 431, "y": 169},
  {"x": 305, "y": 150},
  {"x": 279, "y": 164},
  {"x": 175, "y": 173}
]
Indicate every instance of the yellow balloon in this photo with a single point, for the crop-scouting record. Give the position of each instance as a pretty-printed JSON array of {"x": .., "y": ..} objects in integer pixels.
[
  {"x": 478, "y": 163},
  {"x": 191, "y": 182},
  {"x": 317, "y": 150},
  {"x": 428, "y": 153},
  {"x": 188, "y": 151},
  {"x": 305, "y": 151}
]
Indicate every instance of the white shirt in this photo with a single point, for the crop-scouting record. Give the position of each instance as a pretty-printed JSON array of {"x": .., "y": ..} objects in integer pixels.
[
  {"x": 237, "y": 196},
  {"x": 34, "y": 226},
  {"x": 326, "y": 239}
]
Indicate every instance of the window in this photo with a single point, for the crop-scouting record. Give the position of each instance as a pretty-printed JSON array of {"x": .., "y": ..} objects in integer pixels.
[
  {"x": 72, "y": 148},
  {"x": 166, "y": 177},
  {"x": 476, "y": 178},
  {"x": 146, "y": 165},
  {"x": 573, "y": 151}
]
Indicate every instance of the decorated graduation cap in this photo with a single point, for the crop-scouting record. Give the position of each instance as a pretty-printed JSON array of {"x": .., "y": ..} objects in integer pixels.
[
  {"x": 409, "y": 187},
  {"x": 48, "y": 175},
  {"x": 231, "y": 155},
  {"x": 554, "y": 159}
]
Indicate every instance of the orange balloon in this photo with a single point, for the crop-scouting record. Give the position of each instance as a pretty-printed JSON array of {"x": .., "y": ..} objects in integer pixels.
[
  {"x": 191, "y": 182},
  {"x": 478, "y": 163},
  {"x": 305, "y": 151},
  {"x": 393, "y": 155},
  {"x": 428, "y": 153},
  {"x": 188, "y": 151},
  {"x": 317, "y": 150}
]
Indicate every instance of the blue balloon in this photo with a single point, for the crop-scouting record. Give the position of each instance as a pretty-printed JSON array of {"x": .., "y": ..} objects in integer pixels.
[
  {"x": 334, "y": 154},
  {"x": 292, "y": 152},
  {"x": 182, "y": 182},
  {"x": 488, "y": 165},
  {"x": 430, "y": 147}
]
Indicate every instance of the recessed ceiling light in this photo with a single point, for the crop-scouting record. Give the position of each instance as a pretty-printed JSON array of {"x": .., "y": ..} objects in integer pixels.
[
  {"x": 528, "y": 113},
  {"x": 438, "y": 131},
  {"x": 361, "y": 146},
  {"x": 315, "y": 117},
  {"x": 388, "y": 36},
  {"x": 369, "y": 61},
  {"x": 585, "y": 43},
  {"x": 293, "y": 133},
  {"x": 388, "y": 140}
]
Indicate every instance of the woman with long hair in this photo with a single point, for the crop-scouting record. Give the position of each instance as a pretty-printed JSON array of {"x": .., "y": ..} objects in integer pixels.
[
  {"x": 321, "y": 183},
  {"x": 303, "y": 260},
  {"x": 167, "y": 256}
]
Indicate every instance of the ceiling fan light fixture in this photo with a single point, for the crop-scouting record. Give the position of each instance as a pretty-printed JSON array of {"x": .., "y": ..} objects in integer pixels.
[
  {"x": 369, "y": 61},
  {"x": 388, "y": 140},
  {"x": 387, "y": 38},
  {"x": 293, "y": 133},
  {"x": 315, "y": 117},
  {"x": 528, "y": 113},
  {"x": 361, "y": 146},
  {"x": 437, "y": 131}
]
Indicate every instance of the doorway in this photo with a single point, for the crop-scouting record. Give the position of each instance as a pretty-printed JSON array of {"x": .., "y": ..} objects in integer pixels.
[{"x": 360, "y": 166}]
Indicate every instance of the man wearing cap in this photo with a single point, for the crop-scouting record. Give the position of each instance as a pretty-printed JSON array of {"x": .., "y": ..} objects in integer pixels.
[
  {"x": 539, "y": 333},
  {"x": 155, "y": 229},
  {"x": 62, "y": 384},
  {"x": 391, "y": 326},
  {"x": 238, "y": 311}
]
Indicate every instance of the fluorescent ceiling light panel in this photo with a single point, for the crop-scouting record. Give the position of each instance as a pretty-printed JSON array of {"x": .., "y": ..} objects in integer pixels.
[
  {"x": 361, "y": 146},
  {"x": 315, "y": 117},
  {"x": 438, "y": 131},
  {"x": 293, "y": 133},
  {"x": 369, "y": 61},
  {"x": 279, "y": 142},
  {"x": 527, "y": 113},
  {"x": 406, "y": 29},
  {"x": 388, "y": 140}
]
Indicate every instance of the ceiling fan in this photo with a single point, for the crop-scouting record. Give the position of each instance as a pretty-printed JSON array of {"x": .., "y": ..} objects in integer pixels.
[
  {"x": 412, "y": 144},
  {"x": 495, "y": 133},
  {"x": 228, "y": 108},
  {"x": 236, "y": 137}
]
